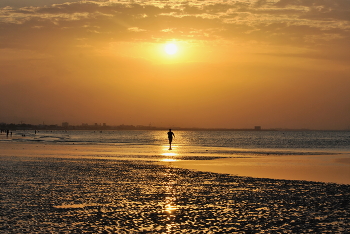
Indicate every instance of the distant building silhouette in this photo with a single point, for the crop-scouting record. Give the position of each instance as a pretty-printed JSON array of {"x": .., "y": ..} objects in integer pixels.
[
  {"x": 65, "y": 124},
  {"x": 257, "y": 128}
]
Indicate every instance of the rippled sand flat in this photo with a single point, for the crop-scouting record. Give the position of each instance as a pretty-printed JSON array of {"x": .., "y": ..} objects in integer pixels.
[{"x": 52, "y": 195}]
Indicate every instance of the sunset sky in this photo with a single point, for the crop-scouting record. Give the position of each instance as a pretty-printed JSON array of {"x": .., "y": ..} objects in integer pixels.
[{"x": 238, "y": 64}]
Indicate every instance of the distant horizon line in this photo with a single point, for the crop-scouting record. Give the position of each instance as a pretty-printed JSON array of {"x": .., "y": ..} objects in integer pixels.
[{"x": 104, "y": 126}]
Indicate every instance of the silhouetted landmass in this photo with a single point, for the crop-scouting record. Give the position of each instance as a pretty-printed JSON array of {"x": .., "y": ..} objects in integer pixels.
[{"x": 66, "y": 126}]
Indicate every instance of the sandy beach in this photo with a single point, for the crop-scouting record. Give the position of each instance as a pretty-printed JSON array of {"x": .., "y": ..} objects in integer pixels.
[{"x": 53, "y": 188}]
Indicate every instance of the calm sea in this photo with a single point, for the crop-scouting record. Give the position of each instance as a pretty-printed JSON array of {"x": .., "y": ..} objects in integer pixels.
[{"x": 200, "y": 142}]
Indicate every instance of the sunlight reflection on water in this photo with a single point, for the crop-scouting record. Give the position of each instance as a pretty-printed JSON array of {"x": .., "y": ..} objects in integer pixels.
[
  {"x": 168, "y": 160},
  {"x": 168, "y": 154},
  {"x": 170, "y": 202}
]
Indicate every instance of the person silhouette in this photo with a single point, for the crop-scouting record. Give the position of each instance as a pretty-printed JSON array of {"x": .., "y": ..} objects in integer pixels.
[{"x": 170, "y": 137}]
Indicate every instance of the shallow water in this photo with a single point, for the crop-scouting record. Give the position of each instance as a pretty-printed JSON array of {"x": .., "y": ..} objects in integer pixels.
[
  {"x": 200, "y": 142},
  {"x": 329, "y": 162},
  {"x": 237, "y": 139}
]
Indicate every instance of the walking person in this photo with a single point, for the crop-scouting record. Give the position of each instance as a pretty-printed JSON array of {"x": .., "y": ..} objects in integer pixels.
[{"x": 170, "y": 137}]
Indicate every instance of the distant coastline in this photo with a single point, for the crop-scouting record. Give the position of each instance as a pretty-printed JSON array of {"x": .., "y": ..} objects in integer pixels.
[{"x": 101, "y": 127}]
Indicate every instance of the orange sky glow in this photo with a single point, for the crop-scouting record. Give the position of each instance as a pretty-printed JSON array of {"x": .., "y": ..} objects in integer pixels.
[{"x": 238, "y": 64}]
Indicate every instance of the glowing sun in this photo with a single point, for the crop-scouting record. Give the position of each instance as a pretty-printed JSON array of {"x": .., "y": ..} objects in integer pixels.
[{"x": 171, "y": 48}]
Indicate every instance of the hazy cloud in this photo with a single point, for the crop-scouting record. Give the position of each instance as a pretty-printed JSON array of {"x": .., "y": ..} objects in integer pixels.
[
  {"x": 35, "y": 3},
  {"x": 221, "y": 19}
]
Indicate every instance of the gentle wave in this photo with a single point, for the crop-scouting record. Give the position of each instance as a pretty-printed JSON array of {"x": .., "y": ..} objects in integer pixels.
[{"x": 220, "y": 142}]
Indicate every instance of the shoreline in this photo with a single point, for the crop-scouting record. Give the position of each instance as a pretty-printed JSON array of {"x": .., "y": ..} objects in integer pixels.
[{"x": 332, "y": 168}]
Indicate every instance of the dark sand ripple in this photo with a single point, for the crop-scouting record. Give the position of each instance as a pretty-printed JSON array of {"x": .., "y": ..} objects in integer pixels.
[{"x": 48, "y": 195}]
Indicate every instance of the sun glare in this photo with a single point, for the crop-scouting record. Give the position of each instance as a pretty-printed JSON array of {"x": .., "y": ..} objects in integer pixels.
[{"x": 171, "y": 48}]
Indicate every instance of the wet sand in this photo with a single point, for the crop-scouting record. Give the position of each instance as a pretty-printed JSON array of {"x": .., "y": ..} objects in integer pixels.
[
  {"x": 321, "y": 168},
  {"x": 64, "y": 193},
  {"x": 332, "y": 168}
]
